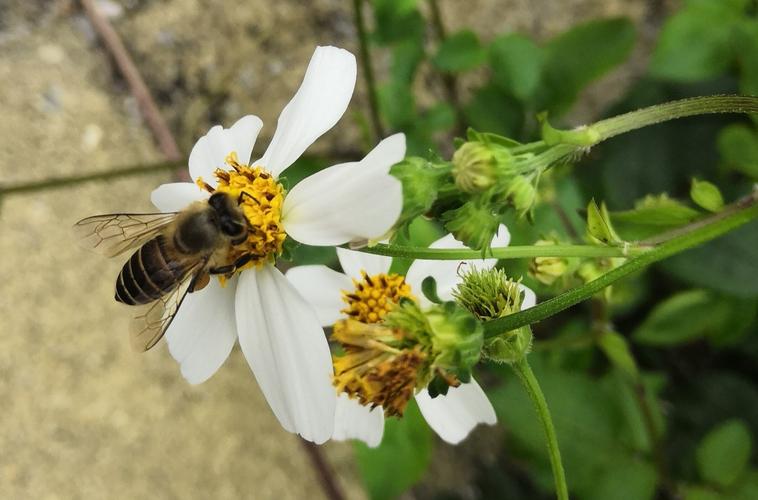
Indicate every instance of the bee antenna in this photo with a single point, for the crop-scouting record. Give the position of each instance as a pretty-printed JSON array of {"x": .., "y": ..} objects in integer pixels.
[{"x": 243, "y": 194}]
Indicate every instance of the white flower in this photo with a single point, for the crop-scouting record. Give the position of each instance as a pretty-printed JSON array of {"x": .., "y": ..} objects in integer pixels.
[
  {"x": 278, "y": 331},
  {"x": 452, "y": 416}
]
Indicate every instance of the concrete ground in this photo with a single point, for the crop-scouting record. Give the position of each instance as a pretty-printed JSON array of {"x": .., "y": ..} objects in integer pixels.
[{"x": 82, "y": 415}]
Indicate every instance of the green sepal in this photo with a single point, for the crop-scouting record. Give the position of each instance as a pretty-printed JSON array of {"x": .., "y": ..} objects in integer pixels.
[
  {"x": 457, "y": 338},
  {"x": 473, "y": 223},
  {"x": 599, "y": 224},
  {"x": 288, "y": 249},
  {"x": 421, "y": 180},
  {"x": 509, "y": 347},
  {"x": 429, "y": 289},
  {"x": 583, "y": 136},
  {"x": 437, "y": 387}
]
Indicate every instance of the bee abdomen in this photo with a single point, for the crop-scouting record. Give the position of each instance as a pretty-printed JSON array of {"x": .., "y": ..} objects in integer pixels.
[{"x": 148, "y": 274}]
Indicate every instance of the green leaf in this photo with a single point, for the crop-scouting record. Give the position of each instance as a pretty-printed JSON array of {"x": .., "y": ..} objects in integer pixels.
[
  {"x": 694, "y": 47},
  {"x": 738, "y": 146},
  {"x": 745, "y": 42},
  {"x": 581, "y": 55},
  {"x": 700, "y": 493},
  {"x": 401, "y": 459},
  {"x": 460, "y": 52},
  {"x": 397, "y": 20},
  {"x": 651, "y": 216},
  {"x": 680, "y": 318},
  {"x": 724, "y": 452},
  {"x": 747, "y": 488},
  {"x": 615, "y": 346},
  {"x": 516, "y": 65},
  {"x": 728, "y": 264},
  {"x": 493, "y": 110},
  {"x": 406, "y": 57},
  {"x": 397, "y": 104},
  {"x": 706, "y": 195}
]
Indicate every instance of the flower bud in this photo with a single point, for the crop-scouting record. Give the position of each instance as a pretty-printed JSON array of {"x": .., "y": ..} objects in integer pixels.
[
  {"x": 475, "y": 166},
  {"x": 472, "y": 224},
  {"x": 488, "y": 294},
  {"x": 548, "y": 269},
  {"x": 521, "y": 193}
]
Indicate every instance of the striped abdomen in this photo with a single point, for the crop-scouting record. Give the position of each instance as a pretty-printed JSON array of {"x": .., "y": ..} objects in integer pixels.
[{"x": 149, "y": 274}]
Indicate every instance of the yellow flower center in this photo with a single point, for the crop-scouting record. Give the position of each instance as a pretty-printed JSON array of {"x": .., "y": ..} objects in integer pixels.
[
  {"x": 374, "y": 296},
  {"x": 372, "y": 370},
  {"x": 260, "y": 198}
]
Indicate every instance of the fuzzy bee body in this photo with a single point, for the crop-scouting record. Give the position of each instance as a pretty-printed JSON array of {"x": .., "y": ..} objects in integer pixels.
[{"x": 175, "y": 255}]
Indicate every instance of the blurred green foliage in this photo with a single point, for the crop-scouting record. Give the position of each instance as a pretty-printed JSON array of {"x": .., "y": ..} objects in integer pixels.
[{"x": 653, "y": 387}]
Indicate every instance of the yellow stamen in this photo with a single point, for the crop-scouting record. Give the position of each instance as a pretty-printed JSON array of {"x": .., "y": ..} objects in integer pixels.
[
  {"x": 374, "y": 296},
  {"x": 374, "y": 371},
  {"x": 260, "y": 197}
]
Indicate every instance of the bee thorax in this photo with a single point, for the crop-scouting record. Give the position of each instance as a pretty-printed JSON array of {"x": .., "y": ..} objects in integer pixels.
[{"x": 198, "y": 232}]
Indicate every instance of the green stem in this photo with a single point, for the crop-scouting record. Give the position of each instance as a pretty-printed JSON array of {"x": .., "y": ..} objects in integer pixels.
[
  {"x": 532, "y": 387},
  {"x": 368, "y": 70},
  {"x": 611, "y": 127},
  {"x": 673, "y": 110},
  {"x": 30, "y": 187},
  {"x": 687, "y": 237},
  {"x": 513, "y": 252}
]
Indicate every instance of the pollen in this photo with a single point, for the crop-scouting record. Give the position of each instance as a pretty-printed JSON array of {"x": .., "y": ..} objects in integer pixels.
[
  {"x": 374, "y": 296},
  {"x": 377, "y": 368},
  {"x": 260, "y": 197}
]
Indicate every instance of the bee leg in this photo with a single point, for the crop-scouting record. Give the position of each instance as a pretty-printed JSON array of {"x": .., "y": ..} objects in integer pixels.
[
  {"x": 199, "y": 282},
  {"x": 230, "y": 268}
]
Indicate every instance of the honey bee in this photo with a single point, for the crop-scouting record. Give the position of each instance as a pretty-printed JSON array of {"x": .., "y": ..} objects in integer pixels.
[{"x": 176, "y": 254}]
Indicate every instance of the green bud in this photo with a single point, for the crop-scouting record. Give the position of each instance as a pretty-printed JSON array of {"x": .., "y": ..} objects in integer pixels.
[
  {"x": 457, "y": 338},
  {"x": 475, "y": 165},
  {"x": 706, "y": 195},
  {"x": 509, "y": 347},
  {"x": 421, "y": 181},
  {"x": 473, "y": 224},
  {"x": 449, "y": 333},
  {"x": 488, "y": 294},
  {"x": 521, "y": 193},
  {"x": 547, "y": 270}
]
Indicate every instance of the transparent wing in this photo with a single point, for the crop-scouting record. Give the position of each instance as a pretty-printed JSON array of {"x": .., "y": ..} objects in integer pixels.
[
  {"x": 113, "y": 234},
  {"x": 153, "y": 319}
]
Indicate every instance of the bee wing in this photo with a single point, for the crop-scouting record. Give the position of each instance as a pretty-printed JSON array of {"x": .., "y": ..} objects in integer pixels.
[
  {"x": 113, "y": 234},
  {"x": 152, "y": 320}
]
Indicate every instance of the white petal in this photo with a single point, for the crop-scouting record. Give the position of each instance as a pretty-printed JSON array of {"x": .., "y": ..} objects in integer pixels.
[
  {"x": 287, "y": 350},
  {"x": 175, "y": 196},
  {"x": 446, "y": 272},
  {"x": 211, "y": 150},
  {"x": 347, "y": 202},
  {"x": 318, "y": 104},
  {"x": 456, "y": 414},
  {"x": 352, "y": 420},
  {"x": 322, "y": 288},
  {"x": 530, "y": 298},
  {"x": 204, "y": 331},
  {"x": 353, "y": 263}
]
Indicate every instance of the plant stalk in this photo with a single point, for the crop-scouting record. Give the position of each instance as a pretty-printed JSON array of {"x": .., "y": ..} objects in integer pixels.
[{"x": 532, "y": 387}]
